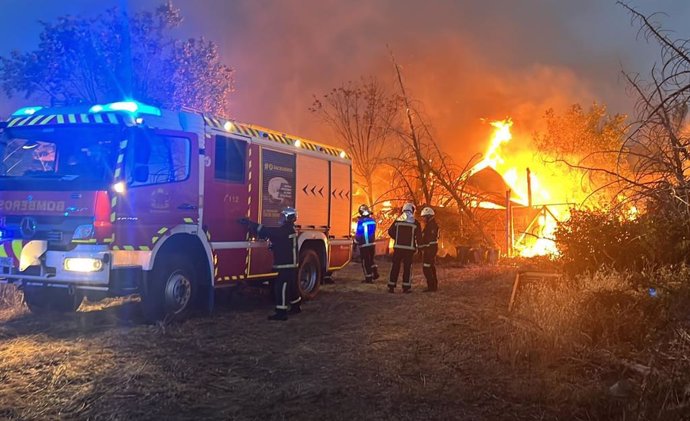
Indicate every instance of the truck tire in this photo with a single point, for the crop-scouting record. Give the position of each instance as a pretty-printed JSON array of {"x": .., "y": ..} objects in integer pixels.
[
  {"x": 309, "y": 274},
  {"x": 170, "y": 291},
  {"x": 43, "y": 300}
]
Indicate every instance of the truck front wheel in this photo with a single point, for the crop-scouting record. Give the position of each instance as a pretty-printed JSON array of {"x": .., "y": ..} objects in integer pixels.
[
  {"x": 309, "y": 274},
  {"x": 42, "y": 300},
  {"x": 170, "y": 291}
]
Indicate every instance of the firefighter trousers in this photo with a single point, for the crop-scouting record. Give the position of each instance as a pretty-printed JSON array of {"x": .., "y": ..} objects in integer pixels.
[
  {"x": 285, "y": 289},
  {"x": 429, "y": 267},
  {"x": 368, "y": 265},
  {"x": 401, "y": 257}
]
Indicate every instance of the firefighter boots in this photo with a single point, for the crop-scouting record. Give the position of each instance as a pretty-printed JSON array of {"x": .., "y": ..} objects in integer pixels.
[{"x": 279, "y": 315}]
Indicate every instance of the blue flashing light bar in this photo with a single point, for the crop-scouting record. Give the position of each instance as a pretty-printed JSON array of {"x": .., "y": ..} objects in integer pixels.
[
  {"x": 132, "y": 107},
  {"x": 26, "y": 111}
]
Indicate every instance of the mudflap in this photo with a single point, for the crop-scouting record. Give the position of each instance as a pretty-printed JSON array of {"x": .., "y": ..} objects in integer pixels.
[{"x": 126, "y": 281}]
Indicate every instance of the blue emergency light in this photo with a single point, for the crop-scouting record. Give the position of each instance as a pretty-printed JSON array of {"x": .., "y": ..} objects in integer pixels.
[
  {"x": 132, "y": 107},
  {"x": 26, "y": 111}
]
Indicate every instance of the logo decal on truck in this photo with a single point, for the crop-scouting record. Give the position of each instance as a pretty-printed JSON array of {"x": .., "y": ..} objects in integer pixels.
[
  {"x": 278, "y": 185},
  {"x": 32, "y": 205},
  {"x": 28, "y": 227}
]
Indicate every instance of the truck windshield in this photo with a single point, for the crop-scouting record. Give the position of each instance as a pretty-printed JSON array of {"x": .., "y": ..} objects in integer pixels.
[{"x": 64, "y": 158}]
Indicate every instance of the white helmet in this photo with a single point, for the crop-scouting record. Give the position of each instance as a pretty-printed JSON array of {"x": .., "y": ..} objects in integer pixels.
[
  {"x": 364, "y": 210},
  {"x": 427, "y": 212},
  {"x": 408, "y": 207},
  {"x": 288, "y": 215}
]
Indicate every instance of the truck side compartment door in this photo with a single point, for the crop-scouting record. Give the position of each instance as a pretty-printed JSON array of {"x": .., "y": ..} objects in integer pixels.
[
  {"x": 227, "y": 198},
  {"x": 340, "y": 216}
]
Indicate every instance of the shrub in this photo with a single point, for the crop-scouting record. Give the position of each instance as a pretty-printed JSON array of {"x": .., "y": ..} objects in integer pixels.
[{"x": 592, "y": 239}]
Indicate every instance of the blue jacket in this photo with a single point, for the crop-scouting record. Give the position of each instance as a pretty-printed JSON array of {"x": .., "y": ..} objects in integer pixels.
[{"x": 366, "y": 231}]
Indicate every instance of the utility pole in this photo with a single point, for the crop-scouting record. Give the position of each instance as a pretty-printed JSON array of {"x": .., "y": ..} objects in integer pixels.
[
  {"x": 509, "y": 225},
  {"x": 529, "y": 188}
]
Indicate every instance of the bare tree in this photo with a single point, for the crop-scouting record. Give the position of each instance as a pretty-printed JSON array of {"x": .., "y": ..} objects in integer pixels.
[
  {"x": 364, "y": 116},
  {"x": 94, "y": 60},
  {"x": 429, "y": 175},
  {"x": 647, "y": 162},
  {"x": 659, "y": 139}
]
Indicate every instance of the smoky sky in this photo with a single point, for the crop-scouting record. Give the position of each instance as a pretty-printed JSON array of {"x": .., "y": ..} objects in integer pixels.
[{"x": 462, "y": 61}]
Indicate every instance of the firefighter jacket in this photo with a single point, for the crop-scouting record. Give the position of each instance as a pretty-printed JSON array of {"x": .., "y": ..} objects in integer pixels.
[
  {"x": 429, "y": 234},
  {"x": 283, "y": 243},
  {"x": 405, "y": 233},
  {"x": 366, "y": 231}
]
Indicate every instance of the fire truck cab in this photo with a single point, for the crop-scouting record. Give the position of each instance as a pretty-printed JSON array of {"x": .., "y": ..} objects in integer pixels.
[{"x": 125, "y": 198}]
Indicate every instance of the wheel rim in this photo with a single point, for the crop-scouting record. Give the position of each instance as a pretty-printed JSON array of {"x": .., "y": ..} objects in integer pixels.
[
  {"x": 178, "y": 291},
  {"x": 308, "y": 276}
]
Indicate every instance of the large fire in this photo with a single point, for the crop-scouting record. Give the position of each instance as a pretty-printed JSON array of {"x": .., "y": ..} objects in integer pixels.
[{"x": 538, "y": 237}]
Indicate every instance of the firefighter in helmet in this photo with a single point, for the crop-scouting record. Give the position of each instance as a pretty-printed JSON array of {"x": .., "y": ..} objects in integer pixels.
[
  {"x": 364, "y": 238},
  {"x": 405, "y": 233},
  {"x": 284, "y": 246},
  {"x": 429, "y": 247}
]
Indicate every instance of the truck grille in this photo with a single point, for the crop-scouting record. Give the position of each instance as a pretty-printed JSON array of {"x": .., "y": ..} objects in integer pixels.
[{"x": 54, "y": 236}]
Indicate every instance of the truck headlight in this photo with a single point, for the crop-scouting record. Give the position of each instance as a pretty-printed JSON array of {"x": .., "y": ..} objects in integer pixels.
[{"x": 83, "y": 264}]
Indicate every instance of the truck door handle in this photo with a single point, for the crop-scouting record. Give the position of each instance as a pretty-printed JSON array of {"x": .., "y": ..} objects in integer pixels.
[{"x": 187, "y": 206}]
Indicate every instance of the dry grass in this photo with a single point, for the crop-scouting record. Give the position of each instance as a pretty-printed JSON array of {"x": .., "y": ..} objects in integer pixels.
[
  {"x": 10, "y": 301},
  {"x": 10, "y": 296},
  {"x": 356, "y": 352},
  {"x": 613, "y": 350}
]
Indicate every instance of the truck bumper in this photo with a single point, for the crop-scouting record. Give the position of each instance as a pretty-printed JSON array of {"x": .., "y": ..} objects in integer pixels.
[{"x": 50, "y": 270}]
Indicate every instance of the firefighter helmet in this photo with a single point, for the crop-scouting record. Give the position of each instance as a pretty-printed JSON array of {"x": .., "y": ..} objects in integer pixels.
[
  {"x": 408, "y": 207},
  {"x": 427, "y": 211},
  {"x": 364, "y": 210},
  {"x": 288, "y": 215}
]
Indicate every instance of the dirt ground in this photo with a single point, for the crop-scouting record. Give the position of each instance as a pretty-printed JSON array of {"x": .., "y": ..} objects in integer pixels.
[{"x": 356, "y": 352}]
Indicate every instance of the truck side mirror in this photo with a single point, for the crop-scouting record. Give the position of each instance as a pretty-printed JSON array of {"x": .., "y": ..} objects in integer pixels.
[{"x": 141, "y": 173}]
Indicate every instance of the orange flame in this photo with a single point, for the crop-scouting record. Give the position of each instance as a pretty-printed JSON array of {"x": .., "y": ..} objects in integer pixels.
[
  {"x": 539, "y": 239},
  {"x": 492, "y": 157}
]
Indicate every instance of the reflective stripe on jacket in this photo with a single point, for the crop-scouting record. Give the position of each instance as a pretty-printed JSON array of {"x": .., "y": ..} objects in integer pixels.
[
  {"x": 429, "y": 234},
  {"x": 405, "y": 235},
  {"x": 366, "y": 231}
]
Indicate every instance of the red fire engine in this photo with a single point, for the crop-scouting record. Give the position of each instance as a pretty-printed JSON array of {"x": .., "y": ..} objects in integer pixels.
[{"x": 125, "y": 198}]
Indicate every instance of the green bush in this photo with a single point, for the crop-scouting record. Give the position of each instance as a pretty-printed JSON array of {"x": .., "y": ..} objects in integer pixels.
[{"x": 592, "y": 239}]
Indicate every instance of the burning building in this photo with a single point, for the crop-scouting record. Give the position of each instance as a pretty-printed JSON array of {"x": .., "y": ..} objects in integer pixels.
[{"x": 503, "y": 210}]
